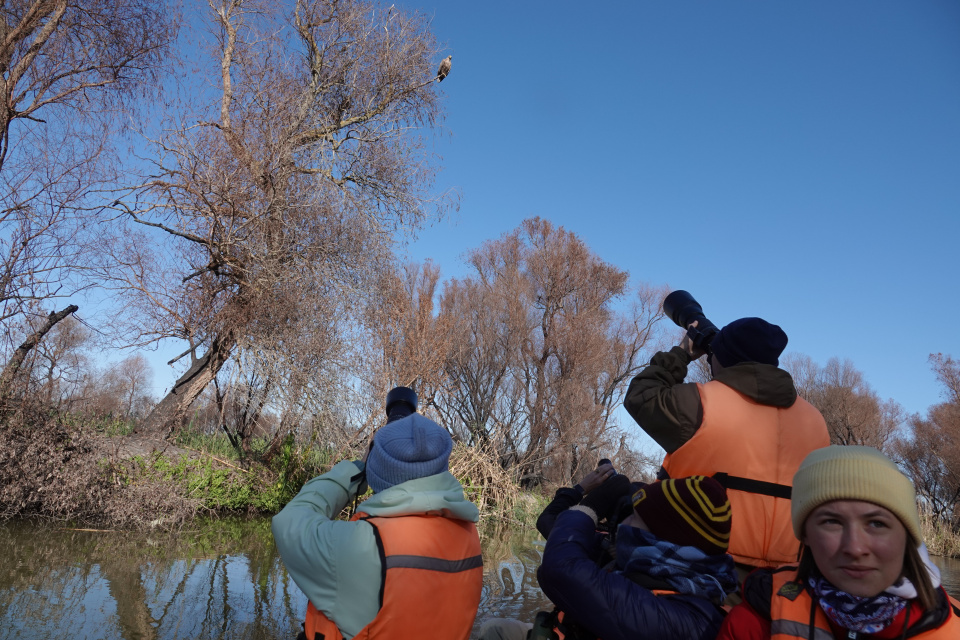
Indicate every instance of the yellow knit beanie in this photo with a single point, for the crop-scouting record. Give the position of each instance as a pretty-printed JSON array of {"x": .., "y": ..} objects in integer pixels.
[{"x": 848, "y": 472}]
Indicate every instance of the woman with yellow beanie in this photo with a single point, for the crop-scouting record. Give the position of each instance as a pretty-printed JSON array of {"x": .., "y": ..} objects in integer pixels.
[{"x": 864, "y": 571}]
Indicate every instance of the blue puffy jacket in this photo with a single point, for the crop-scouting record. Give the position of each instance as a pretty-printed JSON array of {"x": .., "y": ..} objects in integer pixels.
[{"x": 609, "y": 604}]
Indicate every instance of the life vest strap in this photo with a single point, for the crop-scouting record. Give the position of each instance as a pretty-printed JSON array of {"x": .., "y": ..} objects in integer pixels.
[
  {"x": 748, "y": 485},
  {"x": 433, "y": 564},
  {"x": 754, "y": 486}
]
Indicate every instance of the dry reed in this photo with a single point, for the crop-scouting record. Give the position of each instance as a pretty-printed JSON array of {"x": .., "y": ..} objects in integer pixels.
[
  {"x": 493, "y": 489},
  {"x": 938, "y": 536}
]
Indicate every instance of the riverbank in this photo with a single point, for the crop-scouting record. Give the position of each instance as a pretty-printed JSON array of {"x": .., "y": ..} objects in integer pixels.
[{"x": 100, "y": 475}]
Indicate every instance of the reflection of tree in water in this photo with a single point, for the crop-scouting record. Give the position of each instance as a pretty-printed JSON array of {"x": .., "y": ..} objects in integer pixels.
[
  {"x": 127, "y": 590},
  {"x": 222, "y": 579},
  {"x": 217, "y": 580}
]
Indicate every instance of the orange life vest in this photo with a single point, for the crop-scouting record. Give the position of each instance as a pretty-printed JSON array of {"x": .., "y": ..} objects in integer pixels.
[
  {"x": 791, "y": 605},
  {"x": 431, "y": 578},
  {"x": 753, "y": 450}
]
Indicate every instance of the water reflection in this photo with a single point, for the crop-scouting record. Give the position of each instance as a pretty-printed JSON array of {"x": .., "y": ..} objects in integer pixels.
[
  {"x": 221, "y": 580},
  {"x": 949, "y": 574}
]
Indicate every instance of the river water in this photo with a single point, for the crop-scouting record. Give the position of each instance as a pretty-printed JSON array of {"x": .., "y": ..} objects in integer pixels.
[{"x": 223, "y": 579}]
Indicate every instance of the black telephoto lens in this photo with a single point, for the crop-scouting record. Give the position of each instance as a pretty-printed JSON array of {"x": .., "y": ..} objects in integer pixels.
[
  {"x": 683, "y": 309},
  {"x": 401, "y": 402}
]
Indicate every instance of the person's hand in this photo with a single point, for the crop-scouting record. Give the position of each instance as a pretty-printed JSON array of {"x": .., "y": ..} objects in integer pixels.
[
  {"x": 603, "y": 500},
  {"x": 687, "y": 344},
  {"x": 596, "y": 478}
]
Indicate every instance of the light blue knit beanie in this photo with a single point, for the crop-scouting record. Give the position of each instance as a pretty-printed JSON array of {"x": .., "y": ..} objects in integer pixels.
[{"x": 405, "y": 449}]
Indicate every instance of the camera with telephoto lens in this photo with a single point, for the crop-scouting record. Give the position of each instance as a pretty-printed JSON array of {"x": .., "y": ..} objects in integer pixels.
[
  {"x": 401, "y": 402},
  {"x": 681, "y": 307}
]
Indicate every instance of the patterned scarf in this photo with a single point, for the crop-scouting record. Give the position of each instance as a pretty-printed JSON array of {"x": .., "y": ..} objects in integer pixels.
[
  {"x": 687, "y": 569},
  {"x": 864, "y": 615}
]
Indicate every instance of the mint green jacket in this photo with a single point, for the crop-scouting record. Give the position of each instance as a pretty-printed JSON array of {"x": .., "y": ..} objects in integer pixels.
[{"x": 335, "y": 562}]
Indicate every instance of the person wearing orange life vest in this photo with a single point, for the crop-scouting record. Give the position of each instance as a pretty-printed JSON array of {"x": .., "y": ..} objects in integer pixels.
[
  {"x": 747, "y": 428},
  {"x": 407, "y": 565},
  {"x": 864, "y": 570}
]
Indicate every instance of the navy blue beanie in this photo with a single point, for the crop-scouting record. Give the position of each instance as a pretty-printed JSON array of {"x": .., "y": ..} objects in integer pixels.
[
  {"x": 749, "y": 340},
  {"x": 405, "y": 449}
]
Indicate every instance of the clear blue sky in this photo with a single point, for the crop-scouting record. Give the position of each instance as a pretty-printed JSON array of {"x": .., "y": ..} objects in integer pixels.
[{"x": 798, "y": 161}]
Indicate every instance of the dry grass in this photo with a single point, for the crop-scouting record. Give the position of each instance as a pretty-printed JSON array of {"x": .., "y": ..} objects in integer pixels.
[
  {"x": 51, "y": 471},
  {"x": 940, "y": 540},
  {"x": 494, "y": 490},
  {"x": 65, "y": 473}
]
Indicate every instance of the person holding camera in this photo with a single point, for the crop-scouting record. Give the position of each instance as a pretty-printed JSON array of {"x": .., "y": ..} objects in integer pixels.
[
  {"x": 408, "y": 564},
  {"x": 564, "y": 498},
  {"x": 747, "y": 427},
  {"x": 670, "y": 572}
]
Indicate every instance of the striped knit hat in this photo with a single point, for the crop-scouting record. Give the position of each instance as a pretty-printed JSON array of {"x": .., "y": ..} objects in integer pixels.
[
  {"x": 690, "y": 512},
  {"x": 850, "y": 472}
]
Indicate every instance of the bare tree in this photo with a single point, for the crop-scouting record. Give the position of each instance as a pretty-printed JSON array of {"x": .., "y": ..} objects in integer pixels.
[
  {"x": 295, "y": 180},
  {"x": 805, "y": 373},
  {"x": 931, "y": 452},
  {"x": 547, "y": 310},
  {"x": 61, "y": 361},
  {"x": 68, "y": 71},
  {"x": 853, "y": 411},
  {"x": 947, "y": 371},
  {"x": 478, "y": 400},
  {"x": 134, "y": 376},
  {"x": 409, "y": 338},
  {"x": 116, "y": 390}
]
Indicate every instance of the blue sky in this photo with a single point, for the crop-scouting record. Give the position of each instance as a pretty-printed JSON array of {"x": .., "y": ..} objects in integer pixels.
[{"x": 798, "y": 161}]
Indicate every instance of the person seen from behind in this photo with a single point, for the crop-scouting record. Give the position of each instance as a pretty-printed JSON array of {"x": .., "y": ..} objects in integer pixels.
[
  {"x": 563, "y": 499},
  {"x": 747, "y": 428},
  {"x": 864, "y": 571},
  {"x": 408, "y": 564},
  {"x": 670, "y": 573}
]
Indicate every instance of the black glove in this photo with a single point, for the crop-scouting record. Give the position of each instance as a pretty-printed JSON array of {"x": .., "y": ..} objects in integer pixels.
[{"x": 603, "y": 500}]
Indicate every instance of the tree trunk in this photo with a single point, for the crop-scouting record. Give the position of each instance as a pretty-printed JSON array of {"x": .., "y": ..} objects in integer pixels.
[
  {"x": 16, "y": 360},
  {"x": 168, "y": 414}
]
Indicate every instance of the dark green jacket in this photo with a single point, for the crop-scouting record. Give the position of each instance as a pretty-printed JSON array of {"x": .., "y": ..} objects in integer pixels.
[{"x": 669, "y": 410}]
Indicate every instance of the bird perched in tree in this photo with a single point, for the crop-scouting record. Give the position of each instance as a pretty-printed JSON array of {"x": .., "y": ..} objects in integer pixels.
[{"x": 444, "y": 68}]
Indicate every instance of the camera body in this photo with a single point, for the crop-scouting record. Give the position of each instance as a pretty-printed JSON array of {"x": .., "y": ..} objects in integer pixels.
[{"x": 683, "y": 309}]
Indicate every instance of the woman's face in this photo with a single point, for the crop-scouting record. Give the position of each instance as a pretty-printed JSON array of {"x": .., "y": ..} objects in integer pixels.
[{"x": 858, "y": 546}]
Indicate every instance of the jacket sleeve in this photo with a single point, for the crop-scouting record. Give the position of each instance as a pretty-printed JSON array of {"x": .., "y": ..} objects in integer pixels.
[
  {"x": 563, "y": 499},
  {"x": 610, "y": 605},
  {"x": 330, "y": 560},
  {"x": 665, "y": 407}
]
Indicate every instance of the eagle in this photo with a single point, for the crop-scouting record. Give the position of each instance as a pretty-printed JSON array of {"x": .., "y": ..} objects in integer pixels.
[{"x": 444, "y": 68}]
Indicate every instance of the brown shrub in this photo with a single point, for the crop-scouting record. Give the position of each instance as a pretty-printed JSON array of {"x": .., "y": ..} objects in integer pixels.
[{"x": 51, "y": 471}]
